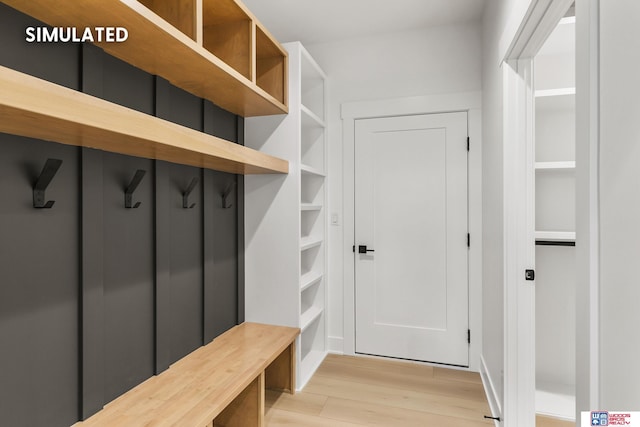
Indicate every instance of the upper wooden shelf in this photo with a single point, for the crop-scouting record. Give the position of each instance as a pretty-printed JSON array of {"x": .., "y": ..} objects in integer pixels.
[
  {"x": 216, "y": 50},
  {"x": 36, "y": 108}
]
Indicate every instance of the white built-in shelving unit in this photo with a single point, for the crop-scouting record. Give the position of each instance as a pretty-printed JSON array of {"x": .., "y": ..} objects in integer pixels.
[
  {"x": 313, "y": 222},
  {"x": 286, "y": 218},
  {"x": 555, "y": 223}
]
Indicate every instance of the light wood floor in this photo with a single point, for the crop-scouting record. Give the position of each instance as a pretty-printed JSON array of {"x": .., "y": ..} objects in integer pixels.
[{"x": 357, "y": 391}]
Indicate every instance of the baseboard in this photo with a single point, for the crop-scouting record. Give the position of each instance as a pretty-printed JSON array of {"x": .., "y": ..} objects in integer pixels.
[
  {"x": 490, "y": 391},
  {"x": 336, "y": 345},
  {"x": 556, "y": 403}
]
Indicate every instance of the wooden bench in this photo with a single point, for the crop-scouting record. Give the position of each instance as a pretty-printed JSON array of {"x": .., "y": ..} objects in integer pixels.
[{"x": 221, "y": 384}]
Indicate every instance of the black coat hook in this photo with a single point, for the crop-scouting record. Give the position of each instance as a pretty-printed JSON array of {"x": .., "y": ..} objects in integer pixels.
[
  {"x": 48, "y": 172},
  {"x": 226, "y": 203},
  {"x": 128, "y": 193},
  {"x": 187, "y": 192}
]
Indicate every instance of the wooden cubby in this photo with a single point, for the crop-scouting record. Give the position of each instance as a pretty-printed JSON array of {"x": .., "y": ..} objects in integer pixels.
[
  {"x": 182, "y": 14},
  {"x": 271, "y": 65},
  {"x": 207, "y": 47},
  {"x": 227, "y": 33}
]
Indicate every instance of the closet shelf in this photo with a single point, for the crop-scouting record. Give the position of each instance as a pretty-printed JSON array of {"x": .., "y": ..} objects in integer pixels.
[
  {"x": 555, "y": 99},
  {"x": 309, "y": 279},
  {"x": 309, "y": 242},
  {"x": 542, "y": 93},
  {"x": 310, "y": 119},
  {"x": 35, "y": 108},
  {"x": 308, "y": 170},
  {"x": 309, "y": 316},
  {"x": 555, "y": 236},
  {"x": 568, "y": 165},
  {"x": 250, "y": 83},
  {"x": 310, "y": 207}
]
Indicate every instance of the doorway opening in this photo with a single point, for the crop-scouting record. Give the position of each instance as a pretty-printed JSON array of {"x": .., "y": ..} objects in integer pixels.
[{"x": 555, "y": 289}]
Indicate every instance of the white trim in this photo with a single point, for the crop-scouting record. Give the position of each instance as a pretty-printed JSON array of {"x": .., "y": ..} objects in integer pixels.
[
  {"x": 336, "y": 345},
  {"x": 519, "y": 246},
  {"x": 556, "y": 402},
  {"x": 529, "y": 26},
  {"x": 587, "y": 203},
  {"x": 521, "y": 46},
  {"x": 490, "y": 392},
  {"x": 429, "y": 104}
]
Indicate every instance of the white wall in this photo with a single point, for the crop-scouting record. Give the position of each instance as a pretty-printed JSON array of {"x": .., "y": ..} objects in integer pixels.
[
  {"x": 619, "y": 187},
  {"x": 429, "y": 61}
]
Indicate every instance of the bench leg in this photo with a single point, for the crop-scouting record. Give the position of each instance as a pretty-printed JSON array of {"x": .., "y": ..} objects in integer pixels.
[
  {"x": 246, "y": 410},
  {"x": 281, "y": 373}
]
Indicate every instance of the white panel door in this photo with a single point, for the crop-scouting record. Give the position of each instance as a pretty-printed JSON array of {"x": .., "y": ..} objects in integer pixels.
[{"x": 411, "y": 214}]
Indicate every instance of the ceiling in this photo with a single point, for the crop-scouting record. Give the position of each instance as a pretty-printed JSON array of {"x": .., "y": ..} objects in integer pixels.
[{"x": 317, "y": 21}]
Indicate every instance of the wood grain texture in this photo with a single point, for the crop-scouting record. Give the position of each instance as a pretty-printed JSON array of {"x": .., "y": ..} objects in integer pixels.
[
  {"x": 157, "y": 47},
  {"x": 270, "y": 66},
  {"x": 231, "y": 42},
  {"x": 542, "y": 421},
  {"x": 361, "y": 391},
  {"x": 247, "y": 410},
  {"x": 38, "y": 109},
  {"x": 182, "y": 14},
  {"x": 198, "y": 388},
  {"x": 280, "y": 375}
]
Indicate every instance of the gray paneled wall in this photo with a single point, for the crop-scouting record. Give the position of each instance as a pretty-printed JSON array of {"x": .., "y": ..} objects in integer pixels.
[{"x": 96, "y": 297}]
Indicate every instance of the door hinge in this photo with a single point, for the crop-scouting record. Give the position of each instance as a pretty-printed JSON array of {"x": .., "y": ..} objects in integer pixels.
[
  {"x": 468, "y": 336},
  {"x": 354, "y": 249},
  {"x": 468, "y": 143},
  {"x": 468, "y": 240}
]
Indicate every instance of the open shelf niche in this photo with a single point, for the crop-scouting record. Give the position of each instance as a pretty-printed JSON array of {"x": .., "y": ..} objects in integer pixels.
[
  {"x": 214, "y": 49},
  {"x": 227, "y": 33}
]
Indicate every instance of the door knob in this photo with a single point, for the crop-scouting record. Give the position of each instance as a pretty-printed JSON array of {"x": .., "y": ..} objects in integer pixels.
[{"x": 362, "y": 249}]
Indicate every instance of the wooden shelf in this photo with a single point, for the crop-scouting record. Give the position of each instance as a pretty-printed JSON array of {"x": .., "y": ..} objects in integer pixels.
[
  {"x": 567, "y": 165},
  {"x": 175, "y": 40},
  {"x": 36, "y": 108},
  {"x": 310, "y": 315},
  {"x": 309, "y": 279}
]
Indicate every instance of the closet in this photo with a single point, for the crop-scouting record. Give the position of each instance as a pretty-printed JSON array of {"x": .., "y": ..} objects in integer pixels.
[{"x": 555, "y": 222}]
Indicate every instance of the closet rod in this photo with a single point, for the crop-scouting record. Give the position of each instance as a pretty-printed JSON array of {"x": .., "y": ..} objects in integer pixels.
[{"x": 553, "y": 243}]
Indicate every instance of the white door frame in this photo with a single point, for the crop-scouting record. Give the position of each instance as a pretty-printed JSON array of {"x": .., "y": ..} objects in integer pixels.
[
  {"x": 519, "y": 45},
  {"x": 351, "y": 111}
]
